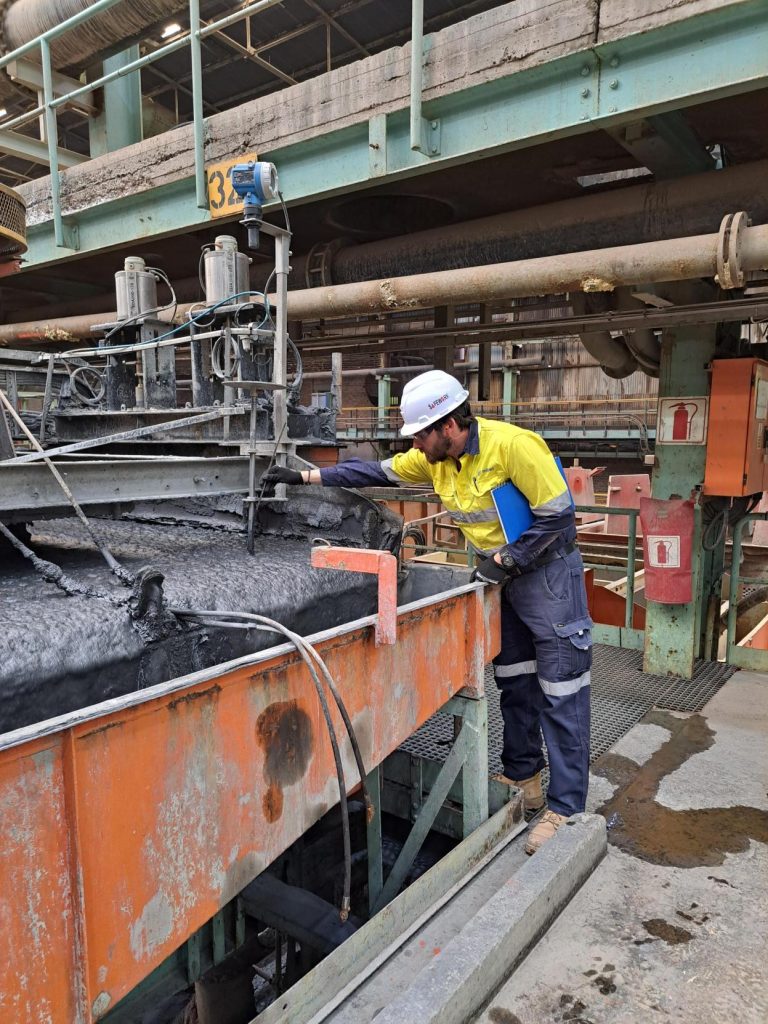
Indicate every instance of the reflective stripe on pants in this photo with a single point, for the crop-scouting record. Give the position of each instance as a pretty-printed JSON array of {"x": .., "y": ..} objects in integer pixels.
[{"x": 543, "y": 675}]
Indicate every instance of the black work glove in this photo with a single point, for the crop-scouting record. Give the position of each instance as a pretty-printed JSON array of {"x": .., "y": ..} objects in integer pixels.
[
  {"x": 489, "y": 571},
  {"x": 280, "y": 475}
]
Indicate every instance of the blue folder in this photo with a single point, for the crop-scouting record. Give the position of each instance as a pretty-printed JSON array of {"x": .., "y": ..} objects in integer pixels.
[{"x": 513, "y": 508}]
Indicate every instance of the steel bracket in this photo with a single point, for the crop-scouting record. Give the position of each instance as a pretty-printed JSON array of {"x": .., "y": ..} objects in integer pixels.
[
  {"x": 382, "y": 564},
  {"x": 319, "y": 269},
  {"x": 729, "y": 270},
  {"x": 70, "y": 237},
  {"x": 431, "y": 131}
]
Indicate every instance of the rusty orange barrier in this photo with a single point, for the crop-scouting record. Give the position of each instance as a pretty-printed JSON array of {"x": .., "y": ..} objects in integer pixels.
[
  {"x": 127, "y": 825},
  {"x": 380, "y": 563}
]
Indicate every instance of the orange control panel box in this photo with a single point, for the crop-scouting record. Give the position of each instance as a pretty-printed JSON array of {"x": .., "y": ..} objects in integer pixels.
[{"x": 737, "y": 457}]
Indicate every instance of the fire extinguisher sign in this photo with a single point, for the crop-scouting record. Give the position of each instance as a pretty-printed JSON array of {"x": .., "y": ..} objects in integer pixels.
[
  {"x": 682, "y": 421},
  {"x": 663, "y": 551}
]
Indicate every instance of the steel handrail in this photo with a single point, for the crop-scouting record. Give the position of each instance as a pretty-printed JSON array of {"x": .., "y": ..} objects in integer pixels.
[
  {"x": 736, "y": 578},
  {"x": 632, "y": 514},
  {"x": 51, "y": 103}
]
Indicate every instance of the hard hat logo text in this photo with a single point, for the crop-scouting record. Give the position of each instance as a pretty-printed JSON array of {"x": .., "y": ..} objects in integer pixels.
[{"x": 437, "y": 401}]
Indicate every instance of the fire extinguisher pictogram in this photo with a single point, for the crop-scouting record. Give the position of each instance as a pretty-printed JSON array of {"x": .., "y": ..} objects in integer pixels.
[
  {"x": 682, "y": 420},
  {"x": 662, "y": 551}
]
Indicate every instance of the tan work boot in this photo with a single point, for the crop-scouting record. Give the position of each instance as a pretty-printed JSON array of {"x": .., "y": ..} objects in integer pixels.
[
  {"x": 532, "y": 792},
  {"x": 544, "y": 829}
]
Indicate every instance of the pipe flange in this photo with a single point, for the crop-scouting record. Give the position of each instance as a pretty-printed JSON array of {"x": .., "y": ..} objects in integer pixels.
[
  {"x": 319, "y": 267},
  {"x": 729, "y": 271}
]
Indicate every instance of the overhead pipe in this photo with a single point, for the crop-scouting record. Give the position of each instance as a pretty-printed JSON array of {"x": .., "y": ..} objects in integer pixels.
[
  {"x": 594, "y": 272},
  {"x": 387, "y": 371},
  {"x": 622, "y": 217},
  {"x": 611, "y": 351}
]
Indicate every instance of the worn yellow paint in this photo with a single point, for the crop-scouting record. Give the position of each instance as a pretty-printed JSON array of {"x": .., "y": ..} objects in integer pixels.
[{"x": 223, "y": 201}]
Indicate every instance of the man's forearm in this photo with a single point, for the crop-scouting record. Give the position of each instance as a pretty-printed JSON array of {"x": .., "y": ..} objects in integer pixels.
[{"x": 356, "y": 473}]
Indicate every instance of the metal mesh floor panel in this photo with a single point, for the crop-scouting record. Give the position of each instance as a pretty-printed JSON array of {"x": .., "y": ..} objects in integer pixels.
[{"x": 621, "y": 694}]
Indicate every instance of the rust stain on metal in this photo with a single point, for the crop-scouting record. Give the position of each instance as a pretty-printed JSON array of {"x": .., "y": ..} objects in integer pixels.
[
  {"x": 103, "y": 728},
  {"x": 187, "y": 698},
  {"x": 284, "y": 731},
  {"x": 596, "y": 284},
  {"x": 272, "y": 804}
]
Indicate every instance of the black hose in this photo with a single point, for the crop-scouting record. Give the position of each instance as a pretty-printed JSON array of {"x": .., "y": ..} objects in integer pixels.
[
  {"x": 306, "y": 652},
  {"x": 296, "y": 638},
  {"x": 53, "y": 573}
]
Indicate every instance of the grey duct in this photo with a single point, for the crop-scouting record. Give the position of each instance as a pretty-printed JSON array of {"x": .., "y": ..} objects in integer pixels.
[
  {"x": 609, "y": 350},
  {"x": 642, "y": 213},
  {"x": 595, "y": 272},
  {"x": 112, "y": 30},
  {"x": 621, "y": 353}
]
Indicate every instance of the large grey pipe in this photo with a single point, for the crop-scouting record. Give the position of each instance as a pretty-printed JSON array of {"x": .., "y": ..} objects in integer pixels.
[
  {"x": 26, "y": 19},
  {"x": 642, "y": 213},
  {"x": 601, "y": 270}
]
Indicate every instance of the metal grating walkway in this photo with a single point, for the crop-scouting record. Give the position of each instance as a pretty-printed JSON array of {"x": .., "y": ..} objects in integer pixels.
[{"x": 621, "y": 694}]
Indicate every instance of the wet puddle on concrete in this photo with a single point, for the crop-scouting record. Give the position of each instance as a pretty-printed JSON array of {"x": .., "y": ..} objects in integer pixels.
[{"x": 640, "y": 826}]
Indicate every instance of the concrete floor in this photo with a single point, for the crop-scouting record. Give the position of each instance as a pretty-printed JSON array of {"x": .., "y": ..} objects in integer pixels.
[{"x": 673, "y": 925}]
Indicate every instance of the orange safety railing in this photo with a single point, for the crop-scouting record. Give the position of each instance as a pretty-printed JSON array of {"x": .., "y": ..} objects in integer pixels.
[{"x": 582, "y": 413}]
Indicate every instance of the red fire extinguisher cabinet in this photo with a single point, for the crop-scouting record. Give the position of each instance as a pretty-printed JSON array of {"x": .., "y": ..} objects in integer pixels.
[{"x": 667, "y": 541}]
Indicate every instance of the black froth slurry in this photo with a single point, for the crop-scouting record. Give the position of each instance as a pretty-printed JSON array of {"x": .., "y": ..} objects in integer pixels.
[{"x": 60, "y": 653}]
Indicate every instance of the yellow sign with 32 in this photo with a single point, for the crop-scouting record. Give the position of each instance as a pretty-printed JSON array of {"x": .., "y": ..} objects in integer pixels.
[{"x": 223, "y": 201}]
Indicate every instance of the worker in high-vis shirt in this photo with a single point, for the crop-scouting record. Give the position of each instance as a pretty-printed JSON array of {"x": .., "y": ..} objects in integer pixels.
[{"x": 543, "y": 668}]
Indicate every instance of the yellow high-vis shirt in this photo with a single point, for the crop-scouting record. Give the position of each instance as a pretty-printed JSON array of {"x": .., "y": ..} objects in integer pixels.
[{"x": 496, "y": 452}]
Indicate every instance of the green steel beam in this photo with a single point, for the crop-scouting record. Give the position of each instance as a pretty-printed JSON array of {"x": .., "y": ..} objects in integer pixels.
[
  {"x": 166, "y": 210},
  {"x": 665, "y": 144},
  {"x": 373, "y": 838},
  {"x": 673, "y": 632},
  {"x": 26, "y": 148},
  {"x": 29, "y": 73},
  {"x": 119, "y": 123},
  {"x": 707, "y": 57}
]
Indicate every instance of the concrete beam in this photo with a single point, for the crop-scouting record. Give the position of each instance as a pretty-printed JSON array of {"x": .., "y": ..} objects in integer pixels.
[
  {"x": 538, "y": 59},
  {"x": 470, "y": 968},
  {"x": 619, "y": 18}
]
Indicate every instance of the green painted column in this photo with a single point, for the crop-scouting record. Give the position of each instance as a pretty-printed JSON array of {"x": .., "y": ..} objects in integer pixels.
[
  {"x": 509, "y": 393},
  {"x": 384, "y": 401},
  {"x": 373, "y": 839},
  {"x": 119, "y": 123},
  {"x": 673, "y": 632}
]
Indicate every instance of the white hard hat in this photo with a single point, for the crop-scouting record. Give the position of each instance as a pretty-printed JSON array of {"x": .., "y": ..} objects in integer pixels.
[{"x": 427, "y": 398}]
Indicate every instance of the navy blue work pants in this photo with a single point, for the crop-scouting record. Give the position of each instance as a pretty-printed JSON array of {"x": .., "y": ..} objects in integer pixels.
[{"x": 543, "y": 675}]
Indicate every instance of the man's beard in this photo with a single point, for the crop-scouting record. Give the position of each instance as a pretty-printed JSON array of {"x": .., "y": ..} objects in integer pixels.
[{"x": 441, "y": 454}]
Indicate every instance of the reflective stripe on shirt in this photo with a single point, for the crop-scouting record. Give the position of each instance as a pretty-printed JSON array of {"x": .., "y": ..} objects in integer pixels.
[
  {"x": 386, "y": 466},
  {"x": 485, "y": 515},
  {"x": 554, "y": 506}
]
